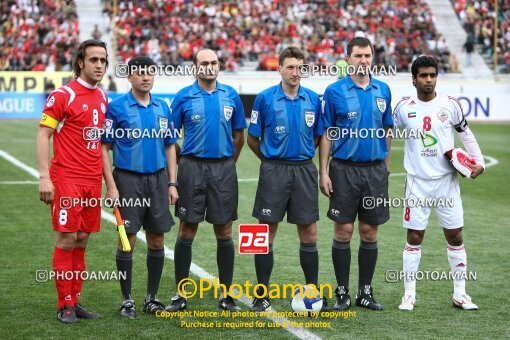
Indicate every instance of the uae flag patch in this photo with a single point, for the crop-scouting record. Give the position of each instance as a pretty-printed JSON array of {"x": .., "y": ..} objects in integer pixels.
[{"x": 411, "y": 114}]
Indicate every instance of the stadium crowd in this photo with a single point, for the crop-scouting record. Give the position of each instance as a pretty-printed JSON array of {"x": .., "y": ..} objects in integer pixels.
[
  {"x": 37, "y": 35},
  {"x": 255, "y": 31},
  {"x": 477, "y": 17}
]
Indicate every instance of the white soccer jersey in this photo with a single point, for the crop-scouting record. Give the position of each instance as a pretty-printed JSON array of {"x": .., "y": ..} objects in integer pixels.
[{"x": 436, "y": 120}]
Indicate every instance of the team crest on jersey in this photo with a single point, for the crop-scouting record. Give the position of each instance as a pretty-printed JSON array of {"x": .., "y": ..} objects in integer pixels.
[
  {"x": 51, "y": 101},
  {"x": 381, "y": 104},
  {"x": 227, "y": 111},
  {"x": 442, "y": 115},
  {"x": 309, "y": 118},
  {"x": 163, "y": 123},
  {"x": 85, "y": 107}
]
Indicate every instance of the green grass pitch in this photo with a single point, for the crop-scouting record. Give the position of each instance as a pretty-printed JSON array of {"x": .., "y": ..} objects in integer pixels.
[{"x": 28, "y": 308}]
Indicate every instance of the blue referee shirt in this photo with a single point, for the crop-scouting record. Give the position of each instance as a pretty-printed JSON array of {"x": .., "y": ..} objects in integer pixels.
[
  {"x": 208, "y": 120},
  {"x": 353, "y": 109},
  {"x": 133, "y": 130},
  {"x": 287, "y": 127}
]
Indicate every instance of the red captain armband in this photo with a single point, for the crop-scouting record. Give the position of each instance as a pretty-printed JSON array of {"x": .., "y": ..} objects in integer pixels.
[{"x": 460, "y": 160}]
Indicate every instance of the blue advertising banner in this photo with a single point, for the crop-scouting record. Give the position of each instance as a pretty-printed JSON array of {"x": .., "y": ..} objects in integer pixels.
[{"x": 17, "y": 105}]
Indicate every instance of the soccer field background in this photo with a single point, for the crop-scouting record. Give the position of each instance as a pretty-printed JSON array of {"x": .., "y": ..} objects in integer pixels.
[{"x": 28, "y": 308}]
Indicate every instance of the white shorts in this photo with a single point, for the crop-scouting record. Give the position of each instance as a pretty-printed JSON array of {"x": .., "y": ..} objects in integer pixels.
[{"x": 422, "y": 195}]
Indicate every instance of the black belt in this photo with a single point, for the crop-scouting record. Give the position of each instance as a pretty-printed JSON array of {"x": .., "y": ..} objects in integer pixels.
[
  {"x": 203, "y": 159},
  {"x": 362, "y": 164},
  {"x": 287, "y": 162},
  {"x": 139, "y": 173}
]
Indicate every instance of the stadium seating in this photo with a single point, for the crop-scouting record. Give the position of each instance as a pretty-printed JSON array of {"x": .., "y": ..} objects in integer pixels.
[
  {"x": 38, "y": 35},
  {"x": 477, "y": 17},
  {"x": 253, "y": 32}
]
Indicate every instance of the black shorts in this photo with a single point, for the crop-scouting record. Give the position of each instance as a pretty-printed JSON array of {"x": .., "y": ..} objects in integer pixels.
[
  {"x": 140, "y": 188},
  {"x": 207, "y": 190},
  {"x": 352, "y": 184},
  {"x": 286, "y": 186}
]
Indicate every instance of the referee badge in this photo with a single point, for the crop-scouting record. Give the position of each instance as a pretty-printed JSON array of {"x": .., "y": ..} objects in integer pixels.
[
  {"x": 227, "y": 111},
  {"x": 254, "y": 117},
  {"x": 381, "y": 104},
  {"x": 309, "y": 118},
  {"x": 163, "y": 123}
]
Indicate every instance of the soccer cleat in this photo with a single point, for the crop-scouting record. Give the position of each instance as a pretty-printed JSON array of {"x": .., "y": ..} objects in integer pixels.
[
  {"x": 177, "y": 303},
  {"x": 228, "y": 303},
  {"x": 343, "y": 300},
  {"x": 260, "y": 304},
  {"x": 463, "y": 302},
  {"x": 365, "y": 299},
  {"x": 325, "y": 306},
  {"x": 82, "y": 313},
  {"x": 151, "y": 306},
  {"x": 127, "y": 309},
  {"x": 67, "y": 315},
  {"x": 408, "y": 302}
]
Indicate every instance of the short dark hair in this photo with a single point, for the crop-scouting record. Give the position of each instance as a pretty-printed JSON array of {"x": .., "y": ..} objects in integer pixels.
[
  {"x": 80, "y": 53},
  {"x": 423, "y": 61},
  {"x": 359, "y": 41},
  {"x": 195, "y": 57},
  {"x": 139, "y": 61},
  {"x": 290, "y": 52}
]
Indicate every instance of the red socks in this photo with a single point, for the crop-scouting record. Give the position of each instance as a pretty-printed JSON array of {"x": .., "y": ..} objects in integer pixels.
[
  {"x": 67, "y": 266},
  {"x": 62, "y": 265},
  {"x": 78, "y": 267}
]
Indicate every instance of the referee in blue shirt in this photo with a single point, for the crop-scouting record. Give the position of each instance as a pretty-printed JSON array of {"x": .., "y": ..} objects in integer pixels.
[
  {"x": 285, "y": 128},
  {"x": 212, "y": 116},
  {"x": 357, "y": 116},
  {"x": 138, "y": 130}
]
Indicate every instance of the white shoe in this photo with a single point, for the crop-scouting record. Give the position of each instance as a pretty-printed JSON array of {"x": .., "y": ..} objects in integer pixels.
[
  {"x": 464, "y": 302},
  {"x": 408, "y": 302}
]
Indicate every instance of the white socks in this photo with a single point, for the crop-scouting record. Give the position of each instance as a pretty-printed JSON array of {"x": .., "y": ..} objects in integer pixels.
[
  {"x": 458, "y": 263},
  {"x": 411, "y": 260}
]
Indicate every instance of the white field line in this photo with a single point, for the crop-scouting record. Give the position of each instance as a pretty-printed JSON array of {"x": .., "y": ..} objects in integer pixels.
[
  {"x": 18, "y": 182},
  {"x": 195, "y": 269}
]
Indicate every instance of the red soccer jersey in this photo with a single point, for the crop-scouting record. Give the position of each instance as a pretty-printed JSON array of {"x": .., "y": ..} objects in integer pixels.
[{"x": 76, "y": 111}]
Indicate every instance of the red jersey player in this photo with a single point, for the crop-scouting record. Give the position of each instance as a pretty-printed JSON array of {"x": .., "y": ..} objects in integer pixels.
[{"x": 72, "y": 115}]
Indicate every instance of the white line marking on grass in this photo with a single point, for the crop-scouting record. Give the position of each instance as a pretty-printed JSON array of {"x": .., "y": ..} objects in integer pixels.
[
  {"x": 19, "y": 164},
  {"x": 491, "y": 161},
  {"x": 248, "y": 179},
  {"x": 18, "y": 182},
  {"x": 197, "y": 270}
]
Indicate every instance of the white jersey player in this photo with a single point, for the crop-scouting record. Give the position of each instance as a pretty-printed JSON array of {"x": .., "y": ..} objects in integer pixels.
[{"x": 431, "y": 181}]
